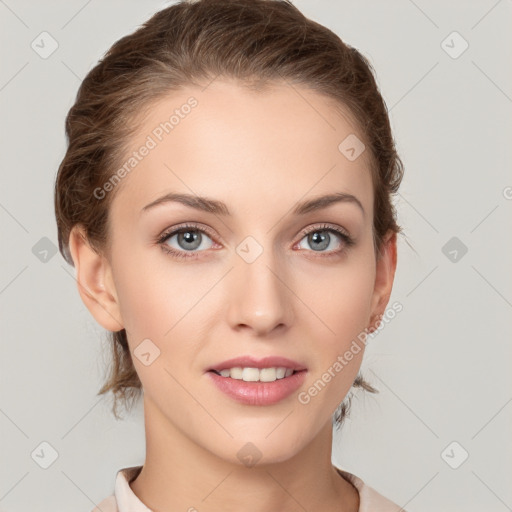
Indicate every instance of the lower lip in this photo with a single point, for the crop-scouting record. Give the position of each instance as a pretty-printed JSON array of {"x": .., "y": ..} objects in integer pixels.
[{"x": 259, "y": 393}]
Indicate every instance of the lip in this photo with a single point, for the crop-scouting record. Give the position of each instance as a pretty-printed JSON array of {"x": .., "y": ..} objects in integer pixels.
[
  {"x": 252, "y": 362},
  {"x": 258, "y": 393}
]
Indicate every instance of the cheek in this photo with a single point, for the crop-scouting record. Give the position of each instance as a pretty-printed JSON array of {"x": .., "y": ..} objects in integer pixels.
[
  {"x": 144, "y": 291},
  {"x": 339, "y": 303},
  {"x": 339, "y": 298},
  {"x": 163, "y": 301}
]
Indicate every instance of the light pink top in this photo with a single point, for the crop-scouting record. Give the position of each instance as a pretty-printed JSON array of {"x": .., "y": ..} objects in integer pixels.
[{"x": 125, "y": 500}]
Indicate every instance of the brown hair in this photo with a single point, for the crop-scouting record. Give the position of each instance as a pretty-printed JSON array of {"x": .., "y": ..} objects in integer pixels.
[{"x": 254, "y": 42}]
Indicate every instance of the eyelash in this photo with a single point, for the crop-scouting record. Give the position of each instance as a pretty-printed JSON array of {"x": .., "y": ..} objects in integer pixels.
[{"x": 348, "y": 241}]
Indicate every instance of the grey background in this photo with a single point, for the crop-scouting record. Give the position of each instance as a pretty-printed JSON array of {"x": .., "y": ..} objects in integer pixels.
[{"x": 442, "y": 365}]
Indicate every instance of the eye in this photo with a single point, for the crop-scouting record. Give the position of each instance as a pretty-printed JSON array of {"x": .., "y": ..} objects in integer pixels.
[
  {"x": 189, "y": 238},
  {"x": 320, "y": 238}
]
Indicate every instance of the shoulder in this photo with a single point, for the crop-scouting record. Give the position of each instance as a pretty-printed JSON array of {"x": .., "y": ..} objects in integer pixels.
[
  {"x": 369, "y": 499},
  {"x": 107, "y": 505}
]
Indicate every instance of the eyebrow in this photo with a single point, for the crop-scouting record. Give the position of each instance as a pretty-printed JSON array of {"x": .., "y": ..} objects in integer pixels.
[{"x": 214, "y": 206}]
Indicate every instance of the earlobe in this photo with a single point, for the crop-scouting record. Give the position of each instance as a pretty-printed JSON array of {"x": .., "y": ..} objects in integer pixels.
[
  {"x": 94, "y": 281},
  {"x": 384, "y": 277}
]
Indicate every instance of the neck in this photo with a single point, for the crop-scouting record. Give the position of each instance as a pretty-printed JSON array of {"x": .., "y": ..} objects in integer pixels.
[{"x": 179, "y": 474}]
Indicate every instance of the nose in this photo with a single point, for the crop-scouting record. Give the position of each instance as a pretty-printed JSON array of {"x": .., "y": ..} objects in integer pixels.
[{"x": 259, "y": 295}]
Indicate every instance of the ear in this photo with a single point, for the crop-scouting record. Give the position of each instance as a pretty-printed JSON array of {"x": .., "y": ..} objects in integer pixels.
[
  {"x": 94, "y": 280},
  {"x": 385, "y": 275}
]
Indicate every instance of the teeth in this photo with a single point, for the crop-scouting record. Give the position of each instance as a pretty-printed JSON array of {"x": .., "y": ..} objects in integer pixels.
[
  {"x": 280, "y": 372},
  {"x": 256, "y": 374}
]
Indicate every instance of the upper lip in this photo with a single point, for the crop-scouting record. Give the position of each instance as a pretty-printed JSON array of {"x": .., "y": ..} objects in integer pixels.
[{"x": 251, "y": 362}]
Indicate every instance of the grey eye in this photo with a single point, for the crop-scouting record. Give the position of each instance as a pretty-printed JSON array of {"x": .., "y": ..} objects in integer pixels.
[
  {"x": 320, "y": 239},
  {"x": 188, "y": 239}
]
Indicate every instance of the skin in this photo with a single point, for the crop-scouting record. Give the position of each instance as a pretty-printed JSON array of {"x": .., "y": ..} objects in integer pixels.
[{"x": 260, "y": 153}]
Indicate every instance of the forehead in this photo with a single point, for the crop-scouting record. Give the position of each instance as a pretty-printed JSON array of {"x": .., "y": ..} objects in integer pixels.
[{"x": 257, "y": 148}]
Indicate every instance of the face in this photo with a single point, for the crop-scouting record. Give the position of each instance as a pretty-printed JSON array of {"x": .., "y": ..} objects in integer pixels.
[{"x": 253, "y": 277}]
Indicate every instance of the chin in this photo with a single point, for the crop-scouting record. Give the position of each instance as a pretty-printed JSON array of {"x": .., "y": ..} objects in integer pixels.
[{"x": 261, "y": 448}]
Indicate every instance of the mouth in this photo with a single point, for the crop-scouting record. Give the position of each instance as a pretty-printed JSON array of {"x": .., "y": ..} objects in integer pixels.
[{"x": 249, "y": 374}]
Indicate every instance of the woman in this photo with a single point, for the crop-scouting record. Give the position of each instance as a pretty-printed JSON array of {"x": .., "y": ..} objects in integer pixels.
[{"x": 225, "y": 199}]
